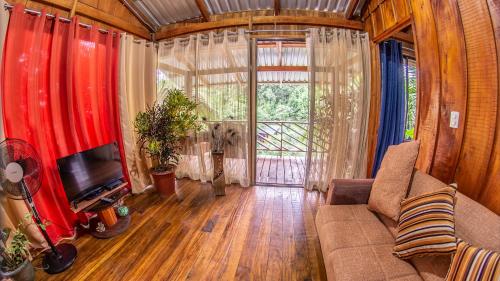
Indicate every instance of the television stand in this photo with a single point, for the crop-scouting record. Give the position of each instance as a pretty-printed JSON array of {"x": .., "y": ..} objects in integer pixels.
[
  {"x": 105, "y": 212},
  {"x": 85, "y": 204}
]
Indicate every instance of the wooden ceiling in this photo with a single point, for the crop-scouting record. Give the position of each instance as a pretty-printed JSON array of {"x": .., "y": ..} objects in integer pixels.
[
  {"x": 135, "y": 17},
  {"x": 171, "y": 18}
]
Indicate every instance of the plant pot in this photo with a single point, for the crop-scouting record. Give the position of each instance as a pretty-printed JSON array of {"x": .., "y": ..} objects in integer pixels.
[
  {"x": 164, "y": 182},
  {"x": 24, "y": 272}
]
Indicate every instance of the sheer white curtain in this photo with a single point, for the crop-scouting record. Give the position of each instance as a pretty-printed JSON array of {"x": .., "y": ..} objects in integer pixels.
[
  {"x": 340, "y": 80},
  {"x": 212, "y": 69},
  {"x": 138, "y": 60}
]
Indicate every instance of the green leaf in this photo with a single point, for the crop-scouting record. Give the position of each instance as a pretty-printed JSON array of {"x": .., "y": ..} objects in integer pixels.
[{"x": 163, "y": 125}]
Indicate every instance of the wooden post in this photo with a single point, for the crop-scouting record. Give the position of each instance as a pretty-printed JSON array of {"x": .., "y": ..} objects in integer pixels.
[{"x": 73, "y": 9}]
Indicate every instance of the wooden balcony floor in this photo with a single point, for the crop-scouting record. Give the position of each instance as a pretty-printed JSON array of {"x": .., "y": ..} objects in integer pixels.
[{"x": 286, "y": 170}]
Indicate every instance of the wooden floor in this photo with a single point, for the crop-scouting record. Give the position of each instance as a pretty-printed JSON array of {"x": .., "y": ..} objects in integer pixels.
[
  {"x": 257, "y": 233},
  {"x": 285, "y": 170}
]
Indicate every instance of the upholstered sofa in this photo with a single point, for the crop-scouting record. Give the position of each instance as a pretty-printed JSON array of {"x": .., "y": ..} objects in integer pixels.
[{"x": 357, "y": 244}]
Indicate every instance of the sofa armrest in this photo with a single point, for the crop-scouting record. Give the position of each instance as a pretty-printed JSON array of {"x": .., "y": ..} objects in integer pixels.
[{"x": 349, "y": 191}]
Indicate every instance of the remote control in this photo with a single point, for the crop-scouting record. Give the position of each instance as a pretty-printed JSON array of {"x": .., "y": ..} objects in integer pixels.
[{"x": 107, "y": 200}]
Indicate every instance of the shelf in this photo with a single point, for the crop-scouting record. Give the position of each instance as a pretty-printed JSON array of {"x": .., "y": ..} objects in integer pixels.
[{"x": 87, "y": 203}]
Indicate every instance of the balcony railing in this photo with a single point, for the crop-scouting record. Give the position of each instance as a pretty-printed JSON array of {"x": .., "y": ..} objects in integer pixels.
[
  {"x": 281, "y": 138},
  {"x": 281, "y": 152}
]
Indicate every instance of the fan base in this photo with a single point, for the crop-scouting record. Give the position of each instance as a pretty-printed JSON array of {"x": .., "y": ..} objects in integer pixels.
[{"x": 53, "y": 265}]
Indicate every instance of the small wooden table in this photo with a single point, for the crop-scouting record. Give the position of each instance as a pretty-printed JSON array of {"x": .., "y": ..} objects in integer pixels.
[{"x": 105, "y": 213}]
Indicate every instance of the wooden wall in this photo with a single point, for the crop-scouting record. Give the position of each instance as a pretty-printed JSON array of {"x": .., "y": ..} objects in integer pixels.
[
  {"x": 458, "y": 52},
  {"x": 104, "y": 13},
  {"x": 384, "y": 17}
]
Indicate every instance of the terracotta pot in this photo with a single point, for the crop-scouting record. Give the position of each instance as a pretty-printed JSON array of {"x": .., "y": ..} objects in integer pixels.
[
  {"x": 164, "y": 182},
  {"x": 24, "y": 272}
]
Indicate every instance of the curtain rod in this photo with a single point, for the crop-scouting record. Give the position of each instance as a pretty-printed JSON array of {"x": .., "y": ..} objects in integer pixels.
[
  {"x": 30, "y": 11},
  {"x": 276, "y": 30},
  {"x": 204, "y": 36}
]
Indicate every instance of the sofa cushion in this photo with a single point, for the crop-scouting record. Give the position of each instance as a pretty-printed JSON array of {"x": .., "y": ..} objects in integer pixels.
[
  {"x": 426, "y": 225},
  {"x": 353, "y": 229},
  {"x": 360, "y": 228},
  {"x": 374, "y": 262},
  {"x": 423, "y": 183},
  {"x": 345, "y": 234},
  {"x": 473, "y": 222},
  {"x": 472, "y": 263},
  {"x": 391, "y": 225},
  {"x": 476, "y": 224},
  {"x": 393, "y": 179},
  {"x": 327, "y": 213},
  {"x": 432, "y": 268}
]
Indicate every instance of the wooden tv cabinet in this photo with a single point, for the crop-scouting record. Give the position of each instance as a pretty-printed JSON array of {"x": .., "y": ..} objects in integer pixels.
[{"x": 105, "y": 212}]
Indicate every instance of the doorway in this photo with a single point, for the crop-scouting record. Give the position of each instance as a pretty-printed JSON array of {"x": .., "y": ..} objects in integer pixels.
[{"x": 282, "y": 113}]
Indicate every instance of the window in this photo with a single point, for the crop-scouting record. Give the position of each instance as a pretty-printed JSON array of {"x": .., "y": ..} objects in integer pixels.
[{"x": 410, "y": 69}]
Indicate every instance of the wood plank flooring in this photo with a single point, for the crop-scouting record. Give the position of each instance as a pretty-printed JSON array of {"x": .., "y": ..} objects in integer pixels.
[
  {"x": 286, "y": 170},
  {"x": 256, "y": 233}
]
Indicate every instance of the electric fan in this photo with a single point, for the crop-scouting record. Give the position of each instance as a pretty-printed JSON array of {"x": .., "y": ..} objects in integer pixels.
[{"x": 20, "y": 178}]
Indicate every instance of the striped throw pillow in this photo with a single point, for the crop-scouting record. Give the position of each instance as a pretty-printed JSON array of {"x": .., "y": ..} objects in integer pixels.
[
  {"x": 426, "y": 225},
  {"x": 472, "y": 263}
]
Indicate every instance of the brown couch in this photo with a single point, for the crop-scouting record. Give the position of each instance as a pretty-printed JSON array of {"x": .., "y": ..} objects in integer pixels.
[{"x": 357, "y": 243}]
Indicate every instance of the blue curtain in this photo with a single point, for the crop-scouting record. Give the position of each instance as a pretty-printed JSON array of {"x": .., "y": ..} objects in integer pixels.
[{"x": 393, "y": 100}]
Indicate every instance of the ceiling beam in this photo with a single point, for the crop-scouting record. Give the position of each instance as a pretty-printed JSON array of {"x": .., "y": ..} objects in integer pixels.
[
  {"x": 277, "y": 7},
  {"x": 202, "y": 6},
  {"x": 178, "y": 30},
  {"x": 351, "y": 7},
  {"x": 73, "y": 9},
  {"x": 145, "y": 20},
  {"x": 90, "y": 12}
]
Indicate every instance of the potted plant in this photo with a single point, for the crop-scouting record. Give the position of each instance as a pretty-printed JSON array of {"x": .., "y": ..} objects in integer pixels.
[
  {"x": 161, "y": 130},
  {"x": 15, "y": 256}
]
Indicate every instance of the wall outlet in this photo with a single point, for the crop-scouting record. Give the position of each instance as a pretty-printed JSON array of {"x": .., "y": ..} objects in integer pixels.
[{"x": 454, "y": 116}]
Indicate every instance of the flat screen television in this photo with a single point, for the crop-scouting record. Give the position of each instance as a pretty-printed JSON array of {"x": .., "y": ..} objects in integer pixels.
[{"x": 91, "y": 171}]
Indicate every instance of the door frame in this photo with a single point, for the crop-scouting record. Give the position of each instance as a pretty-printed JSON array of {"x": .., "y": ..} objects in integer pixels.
[{"x": 252, "y": 107}]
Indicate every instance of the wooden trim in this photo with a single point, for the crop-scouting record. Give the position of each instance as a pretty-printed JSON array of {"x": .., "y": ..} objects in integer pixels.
[
  {"x": 277, "y": 7},
  {"x": 482, "y": 98},
  {"x": 388, "y": 33},
  {"x": 203, "y": 9},
  {"x": 169, "y": 32},
  {"x": 351, "y": 7},
  {"x": 73, "y": 9},
  {"x": 98, "y": 15},
  {"x": 375, "y": 99},
  {"x": 394, "y": 11},
  {"x": 491, "y": 193},
  {"x": 403, "y": 37},
  {"x": 428, "y": 83},
  {"x": 139, "y": 15},
  {"x": 453, "y": 68}
]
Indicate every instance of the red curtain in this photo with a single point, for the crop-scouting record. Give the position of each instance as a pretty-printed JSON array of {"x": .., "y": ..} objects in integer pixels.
[{"x": 60, "y": 95}]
